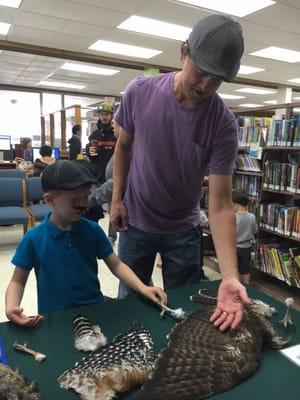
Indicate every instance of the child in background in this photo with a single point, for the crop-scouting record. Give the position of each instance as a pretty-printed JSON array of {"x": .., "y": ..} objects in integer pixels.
[
  {"x": 63, "y": 251},
  {"x": 246, "y": 228}
]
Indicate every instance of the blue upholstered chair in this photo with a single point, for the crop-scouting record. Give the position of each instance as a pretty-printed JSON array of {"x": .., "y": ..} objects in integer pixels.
[
  {"x": 12, "y": 211},
  {"x": 12, "y": 173},
  {"x": 34, "y": 198}
]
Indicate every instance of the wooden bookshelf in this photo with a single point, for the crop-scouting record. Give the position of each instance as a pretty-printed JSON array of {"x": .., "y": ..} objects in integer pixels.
[
  {"x": 279, "y": 192},
  {"x": 273, "y": 154},
  {"x": 279, "y": 234},
  {"x": 280, "y": 148},
  {"x": 250, "y": 173}
]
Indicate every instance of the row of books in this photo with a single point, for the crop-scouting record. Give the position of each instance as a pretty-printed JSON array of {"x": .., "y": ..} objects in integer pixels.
[
  {"x": 252, "y": 130},
  {"x": 284, "y": 132},
  {"x": 279, "y": 260},
  {"x": 282, "y": 176},
  {"x": 280, "y": 218},
  {"x": 253, "y": 207},
  {"x": 248, "y": 184},
  {"x": 245, "y": 162}
]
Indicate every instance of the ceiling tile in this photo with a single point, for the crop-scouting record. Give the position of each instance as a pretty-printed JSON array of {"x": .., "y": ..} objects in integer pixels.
[
  {"x": 55, "y": 8},
  {"x": 38, "y": 21},
  {"x": 99, "y": 16},
  {"x": 84, "y": 30},
  {"x": 128, "y": 6}
]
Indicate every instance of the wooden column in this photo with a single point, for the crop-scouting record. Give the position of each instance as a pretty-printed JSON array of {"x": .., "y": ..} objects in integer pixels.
[
  {"x": 77, "y": 115},
  {"x": 43, "y": 131},
  {"x": 52, "y": 130},
  {"x": 63, "y": 123}
]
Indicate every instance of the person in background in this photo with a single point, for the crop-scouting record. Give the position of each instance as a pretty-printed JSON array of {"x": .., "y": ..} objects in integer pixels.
[
  {"x": 46, "y": 159},
  {"x": 75, "y": 142},
  {"x": 246, "y": 228},
  {"x": 102, "y": 141},
  {"x": 63, "y": 251},
  {"x": 27, "y": 149},
  {"x": 102, "y": 193},
  {"x": 173, "y": 128}
]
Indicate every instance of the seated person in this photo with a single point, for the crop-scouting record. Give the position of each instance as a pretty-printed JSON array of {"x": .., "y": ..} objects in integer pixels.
[
  {"x": 46, "y": 159},
  {"x": 63, "y": 251}
]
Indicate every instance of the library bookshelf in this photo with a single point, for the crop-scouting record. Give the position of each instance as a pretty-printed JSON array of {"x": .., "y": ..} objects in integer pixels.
[{"x": 274, "y": 191}]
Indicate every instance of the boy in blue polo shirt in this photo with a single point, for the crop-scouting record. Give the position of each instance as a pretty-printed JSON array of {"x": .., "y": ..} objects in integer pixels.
[{"x": 63, "y": 251}]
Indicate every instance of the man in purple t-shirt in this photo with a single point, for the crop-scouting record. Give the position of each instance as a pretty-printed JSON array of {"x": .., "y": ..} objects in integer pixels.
[{"x": 172, "y": 129}]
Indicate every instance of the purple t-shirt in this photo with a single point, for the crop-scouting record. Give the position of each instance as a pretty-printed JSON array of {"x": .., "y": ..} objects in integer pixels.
[{"x": 173, "y": 148}]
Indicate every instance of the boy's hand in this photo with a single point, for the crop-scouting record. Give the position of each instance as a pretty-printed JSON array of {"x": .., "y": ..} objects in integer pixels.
[
  {"x": 16, "y": 315},
  {"x": 155, "y": 294}
]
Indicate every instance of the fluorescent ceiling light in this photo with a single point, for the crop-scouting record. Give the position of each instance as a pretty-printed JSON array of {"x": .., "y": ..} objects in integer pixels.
[
  {"x": 296, "y": 98},
  {"x": 4, "y": 28},
  {"x": 296, "y": 80},
  {"x": 61, "y": 84},
  {"x": 246, "y": 70},
  {"x": 255, "y": 91},
  {"x": 155, "y": 27},
  {"x": 296, "y": 110},
  {"x": 234, "y": 7},
  {"x": 11, "y": 3},
  {"x": 271, "y": 102},
  {"x": 278, "y": 53},
  {"x": 250, "y": 105},
  {"x": 124, "y": 49},
  {"x": 89, "y": 69},
  {"x": 230, "y": 96}
]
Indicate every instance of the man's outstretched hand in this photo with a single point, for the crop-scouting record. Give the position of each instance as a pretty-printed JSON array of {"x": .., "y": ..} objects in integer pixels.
[{"x": 232, "y": 296}]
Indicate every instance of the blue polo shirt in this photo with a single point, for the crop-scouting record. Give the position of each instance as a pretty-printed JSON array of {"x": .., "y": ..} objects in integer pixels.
[{"x": 65, "y": 263}]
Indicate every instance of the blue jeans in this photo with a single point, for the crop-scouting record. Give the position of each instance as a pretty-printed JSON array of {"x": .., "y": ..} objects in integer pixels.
[{"x": 181, "y": 255}]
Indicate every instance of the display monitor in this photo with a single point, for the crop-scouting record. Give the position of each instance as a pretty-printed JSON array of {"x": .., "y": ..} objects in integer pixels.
[
  {"x": 5, "y": 142},
  {"x": 36, "y": 153}
]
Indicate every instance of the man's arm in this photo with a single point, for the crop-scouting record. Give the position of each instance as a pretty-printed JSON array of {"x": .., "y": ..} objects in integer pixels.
[
  {"x": 13, "y": 298},
  {"x": 122, "y": 156},
  {"x": 232, "y": 294},
  {"x": 222, "y": 223}
]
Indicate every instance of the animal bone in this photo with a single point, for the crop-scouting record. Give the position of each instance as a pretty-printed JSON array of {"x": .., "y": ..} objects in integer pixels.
[
  {"x": 177, "y": 313},
  {"x": 287, "y": 320},
  {"x": 37, "y": 356}
]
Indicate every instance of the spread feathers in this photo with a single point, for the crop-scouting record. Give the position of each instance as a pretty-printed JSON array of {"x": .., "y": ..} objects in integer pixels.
[
  {"x": 200, "y": 361},
  {"x": 114, "y": 368}
]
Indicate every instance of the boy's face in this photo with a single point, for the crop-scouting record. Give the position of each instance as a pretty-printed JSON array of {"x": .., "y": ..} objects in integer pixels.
[{"x": 69, "y": 205}]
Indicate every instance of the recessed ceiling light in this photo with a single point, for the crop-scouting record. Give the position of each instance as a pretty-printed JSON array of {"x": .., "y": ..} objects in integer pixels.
[
  {"x": 89, "y": 69},
  {"x": 255, "y": 91},
  {"x": 61, "y": 84},
  {"x": 11, "y": 3},
  {"x": 246, "y": 70},
  {"x": 124, "y": 49},
  {"x": 296, "y": 80},
  {"x": 155, "y": 27},
  {"x": 4, "y": 28},
  {"x": 278, "y": 53},
  {"x": 250, "y": 105},
  {"x": 271, "y": 102},
  {"x": 123, "y": 91},
  {"x": 233, "y": 7},
  {"x": 230, "y": 96}
]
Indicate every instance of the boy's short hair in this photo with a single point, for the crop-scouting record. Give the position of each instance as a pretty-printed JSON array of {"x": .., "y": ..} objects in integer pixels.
[
  {"x": 66, "y": 175},
  {"x": 46, "y": 151},
  {"x": 241, "y": 198},
  {"x": 76, "y": 129}
]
